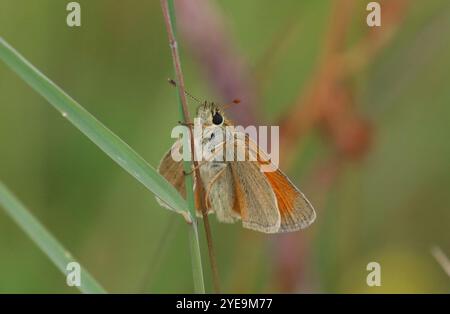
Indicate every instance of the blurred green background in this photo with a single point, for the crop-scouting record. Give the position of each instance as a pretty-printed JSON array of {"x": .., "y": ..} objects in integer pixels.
[{"x": 390, "y": 206}]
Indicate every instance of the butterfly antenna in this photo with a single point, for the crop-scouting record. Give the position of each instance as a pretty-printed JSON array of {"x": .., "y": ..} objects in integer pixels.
[
  {"x": 173, "y": 83},
  {"x": 233, "y": 102}
]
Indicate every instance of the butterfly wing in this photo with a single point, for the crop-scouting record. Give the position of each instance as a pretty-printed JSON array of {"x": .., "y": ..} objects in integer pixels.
[
  {"x": 254, "y": 198},
  {"x": 172, "y": 171},
  {"x": 265, "y": 201},
  {"x": 294, "y": 209}
]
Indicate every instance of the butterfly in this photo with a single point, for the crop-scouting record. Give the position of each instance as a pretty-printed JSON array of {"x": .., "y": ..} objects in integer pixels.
[{"x": 238, "y": 190}]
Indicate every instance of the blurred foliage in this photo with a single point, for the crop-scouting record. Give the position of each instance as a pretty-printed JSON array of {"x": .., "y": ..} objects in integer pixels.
[{"x": 390, "y": 207}]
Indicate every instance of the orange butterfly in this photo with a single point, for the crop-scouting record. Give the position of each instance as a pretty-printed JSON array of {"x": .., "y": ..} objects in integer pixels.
[{"x": 264, "y": 201}]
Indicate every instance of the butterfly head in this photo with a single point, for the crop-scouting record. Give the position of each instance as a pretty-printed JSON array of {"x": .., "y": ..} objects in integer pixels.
[{"x": 211, "y": 114}]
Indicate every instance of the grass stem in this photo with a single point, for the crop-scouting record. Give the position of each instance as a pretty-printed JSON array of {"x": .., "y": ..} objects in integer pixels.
[
  {"x": 169, "y": 18},
  {"x": 194, "y": 244}
]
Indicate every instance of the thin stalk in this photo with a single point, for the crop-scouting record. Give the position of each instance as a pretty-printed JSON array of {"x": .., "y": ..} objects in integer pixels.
[
  {"x": 169, "y": 18},
  {"x": 194, "y": 244}
]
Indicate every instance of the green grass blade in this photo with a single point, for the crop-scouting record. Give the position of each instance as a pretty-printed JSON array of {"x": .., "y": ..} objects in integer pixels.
[
  {"x": 110, "y": 143},
  {"x": 43, "y": 239}
]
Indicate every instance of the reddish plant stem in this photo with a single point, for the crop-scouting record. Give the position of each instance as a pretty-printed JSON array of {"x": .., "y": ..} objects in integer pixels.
[{"x": 199, "y": 187}]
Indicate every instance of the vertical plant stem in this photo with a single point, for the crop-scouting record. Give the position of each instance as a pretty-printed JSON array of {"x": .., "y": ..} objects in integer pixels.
[
  {"x": 169, "y": 18},
  {"x": 209, "y": 241},
  {"x": 194, "y": 244}
]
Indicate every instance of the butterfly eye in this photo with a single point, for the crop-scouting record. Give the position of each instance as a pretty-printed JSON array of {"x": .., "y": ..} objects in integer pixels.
[{"x": 217, "y": 118}]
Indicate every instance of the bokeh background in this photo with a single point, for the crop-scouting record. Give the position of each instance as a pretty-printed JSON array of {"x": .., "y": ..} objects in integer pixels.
[{"x": 364, "y": 117}]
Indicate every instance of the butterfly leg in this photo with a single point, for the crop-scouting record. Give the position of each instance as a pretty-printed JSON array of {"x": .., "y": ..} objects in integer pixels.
[
  {"x": 195, "y": 168},
  {"x": 189, "y": 124},
  {"x": 201, "y": 163},
  {"x": 210, "y": 184}
]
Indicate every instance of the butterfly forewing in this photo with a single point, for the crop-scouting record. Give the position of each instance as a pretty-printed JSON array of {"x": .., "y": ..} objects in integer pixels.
[{"x": 295, "y": 210}]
